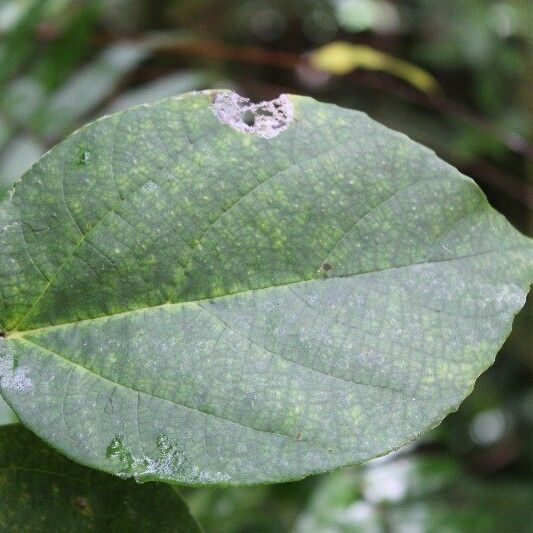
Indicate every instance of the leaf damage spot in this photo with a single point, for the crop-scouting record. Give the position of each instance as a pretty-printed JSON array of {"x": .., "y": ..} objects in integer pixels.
[
  {"x": 170, "y": 463},
  {"x": 265, "y": 119},
  {"x": 11, "y": 377}
]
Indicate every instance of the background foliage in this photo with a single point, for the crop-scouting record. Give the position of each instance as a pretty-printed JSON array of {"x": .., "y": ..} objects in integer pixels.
[{"x": 65, "y": 62}]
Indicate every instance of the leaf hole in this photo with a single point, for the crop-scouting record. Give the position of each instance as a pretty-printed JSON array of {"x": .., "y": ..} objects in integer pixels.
[
  {"x": 264, "y": 119},
  {"x": 248, "y": 118}
]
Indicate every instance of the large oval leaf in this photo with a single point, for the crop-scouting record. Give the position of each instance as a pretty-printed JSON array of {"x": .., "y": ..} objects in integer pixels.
[
  {"x": 207, "y": 291},
  {"x": 40, "y": 490}
]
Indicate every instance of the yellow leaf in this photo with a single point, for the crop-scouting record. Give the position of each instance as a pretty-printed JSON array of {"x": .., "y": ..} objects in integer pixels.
[{"x": 340, "y": 58}]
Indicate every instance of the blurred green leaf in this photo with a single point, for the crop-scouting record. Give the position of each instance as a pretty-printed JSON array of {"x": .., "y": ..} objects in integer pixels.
[
  {"x": 5, "y": 131},
  {"x": 361, "y": 15},
  {"x": 428, "y": 494},
  {"x": 22, "y": 98},
  {"x": 173, "y": 84},
  {"x": 41, "y": 490},
  {"x": 61, "y": 57},
  {"x": 227, "y": 510},
  {"x": 18, "y": 44},
  {"x": 87, "y": 88},
  {"x": 17, "y": 157}
]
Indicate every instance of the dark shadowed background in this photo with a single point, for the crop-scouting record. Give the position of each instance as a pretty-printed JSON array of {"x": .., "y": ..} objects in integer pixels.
[{"x": 456, "y": 75}]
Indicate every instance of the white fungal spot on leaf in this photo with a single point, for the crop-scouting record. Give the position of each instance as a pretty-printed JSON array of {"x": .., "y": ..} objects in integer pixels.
[
  {"x": 11, "y": 377},
  {"x": 264, "y": 119}
]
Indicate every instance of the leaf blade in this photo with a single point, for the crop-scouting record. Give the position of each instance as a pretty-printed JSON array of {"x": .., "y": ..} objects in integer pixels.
[{"x": 271, "y": 307}]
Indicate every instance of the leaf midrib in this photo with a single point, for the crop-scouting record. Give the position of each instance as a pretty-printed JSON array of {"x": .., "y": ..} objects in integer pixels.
[{"x": 13, "y": 334}]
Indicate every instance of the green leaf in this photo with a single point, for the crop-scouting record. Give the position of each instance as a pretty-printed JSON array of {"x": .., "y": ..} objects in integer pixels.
[
  {"x": 414, "y": 493},
  {"x": 87, "y": 88},
  {"x": 20, "y": 154},
  {"x": 163, "y": 87},
  {"x": 7, "y": 416},
  {"x": 207, "y": 291},
  {"x": 18, "y": 44},
  {"x": 40, "y": 490}
]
